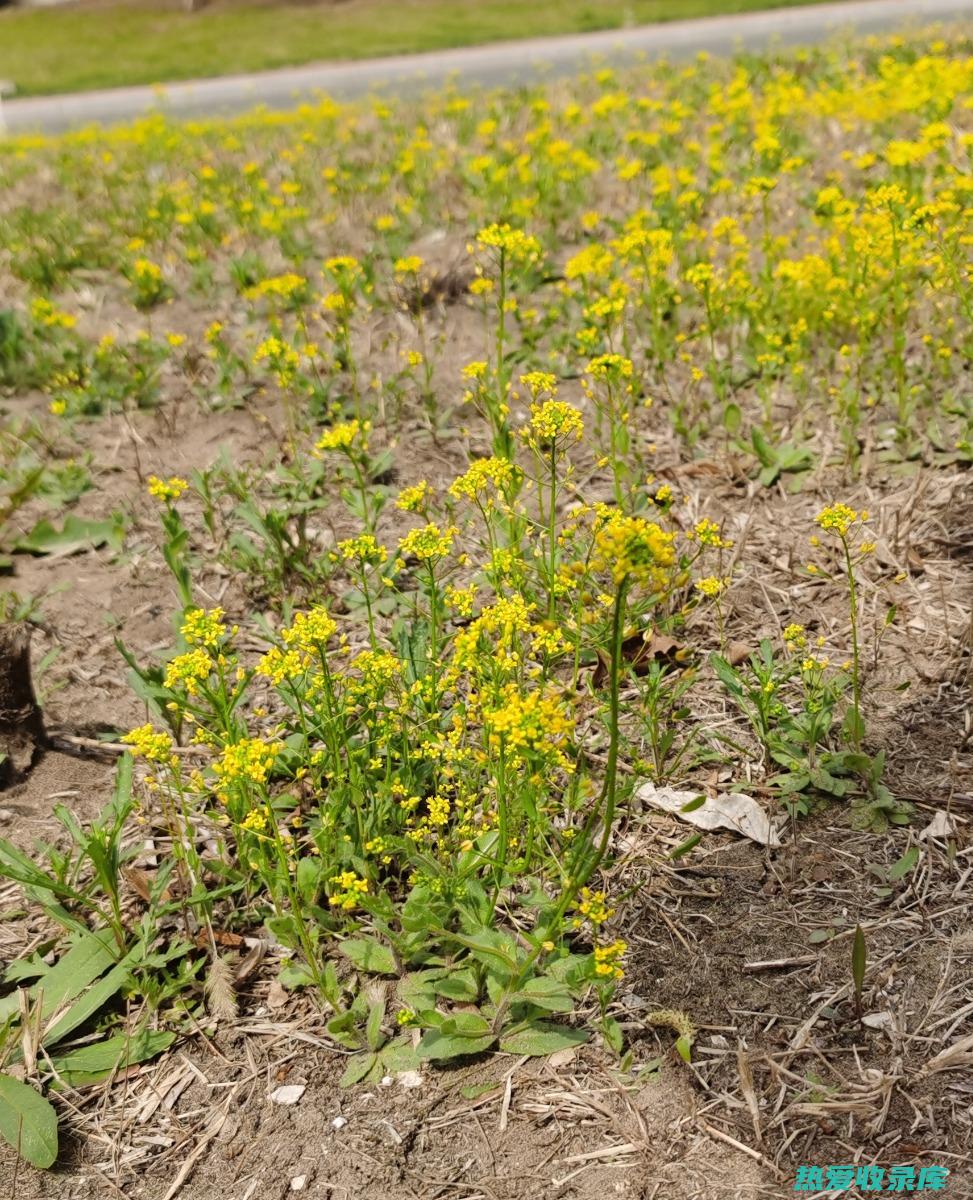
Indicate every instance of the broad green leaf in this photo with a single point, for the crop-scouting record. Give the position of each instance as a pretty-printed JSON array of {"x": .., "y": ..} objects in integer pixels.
[
  {"x": 90, "y": 1064},
  {"x": 540, "y": 1037},
  {"x": 369, "y": 955},
  {"x": 436, "y": 1044},
  {"x": 468, "y": 1024},
  {"x": 28, "y": 1122},
  {"x": 373, "y": 1026},
  {"x": 546, "y": 993},
  {"x": 357, "y": 1069},
  {"x": 93, "y": 999},
  {"x": 74, "y": 535},
  {"x": 684, "y": 1047},
  {"x": 90, "y": 956},
  {"x": 902, "y": 867},
  {"x": 457, "y": 985},
  {"x": 399, "y": 1055}
]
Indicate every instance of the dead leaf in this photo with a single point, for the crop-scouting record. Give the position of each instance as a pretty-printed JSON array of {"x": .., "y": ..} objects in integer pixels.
[
  {"x": 640, "y": 650},
  {"x": 737, "y": 653},
  {"x": 277, "y": 995},
  {"x": 246, "y": 967},
  {"x": 141, "y": 882},
  {"x": 729, "y": 810},
  {"x": 943, "y": 825}
]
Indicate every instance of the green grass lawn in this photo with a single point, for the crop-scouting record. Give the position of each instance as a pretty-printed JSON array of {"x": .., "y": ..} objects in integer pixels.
[{"x": 79, "y": 48}]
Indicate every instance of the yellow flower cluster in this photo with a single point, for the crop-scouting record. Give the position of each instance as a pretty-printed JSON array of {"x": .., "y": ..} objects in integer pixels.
[
  {"x": 608, "y": 959},
  {"x": 249, "y": 761},
  {"x": 711, "y": 586},
  {"x": 480, "y": 475},
  {"x": 514, "y": 244},
  {"x": 345, "y": 437},
  {"x": 592, "y": 907},
  {"x": 149, "y": 743},
  {"x": 633, "y": 548},
  {"x": 554, "y": 419},
  {"x": 187, "y": 670},
  {"x": 167, "y": 489},
  {"x": 202, "y": 628},
  {"x": 707, "y": 533},
  {"x": 839, "y": 518},
  {"x": 530, "y": 723},
  {"x": 363, "y": 549},
  {"x": 428, "y": 544},
  {"x": 351, "y": 889},
  {"x": 414, "y": 499}
]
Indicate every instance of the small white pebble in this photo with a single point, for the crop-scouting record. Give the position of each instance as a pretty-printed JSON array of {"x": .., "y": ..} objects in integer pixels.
[
  {"x": 289, "y": 1093},
  {"x": 298, "y": 1182},
  {"x": 387, "y": 1081},
  {"x": 339, "y": 1122}
]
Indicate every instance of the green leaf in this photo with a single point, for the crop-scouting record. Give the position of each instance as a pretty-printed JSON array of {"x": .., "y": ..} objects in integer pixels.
[
  {"x": 436, "y": 1044},
  {"x": 684, "y": 847},
  {"x": 399, "y": 1055},
  {"x": 541, "y": 1037},
  {"x": 613, "y": 1034},
  {"x": 28, "y": 1122},
  {"x": 902, "y": 867},
  {"x": 692, "y": 805},
  {"x": 369, "y": 955},
  {"x": 90, "y": 956},
  {"x": 73, "y": 536},
  {"x": 92, "y": 1001},
  {"x": 373, "y": 1026},
  {"x": 457, "y": 985},
  {"x": 545, "y": 992},
  {"x": 732, "y": 417},
  {"x": 684, "y": 1047},
  {"x": 858, "y": 958},
  {"x": 90, "y": 1064},
  {"x": 468, "y": 1024},
  {"x": 357, "y": 1069}
]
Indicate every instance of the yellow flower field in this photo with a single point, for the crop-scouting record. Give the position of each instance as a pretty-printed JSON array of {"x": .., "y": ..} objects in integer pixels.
[{"x": 462, "y": 473}]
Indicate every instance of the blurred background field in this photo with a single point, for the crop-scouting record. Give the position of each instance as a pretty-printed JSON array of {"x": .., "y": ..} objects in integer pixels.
[{"x": 98, "y": 44}]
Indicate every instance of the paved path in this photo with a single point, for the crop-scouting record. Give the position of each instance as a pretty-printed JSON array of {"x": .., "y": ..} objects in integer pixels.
[{"x": 496, "y": 64}]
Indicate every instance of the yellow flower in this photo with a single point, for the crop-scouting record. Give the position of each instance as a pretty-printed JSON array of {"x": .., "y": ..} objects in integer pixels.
[
  {"x": 795, "y": 637},
  {"x": 539, "y": 381},
  {"x": 345, "y": 436},
  {"x": 711, "y": 586},
  {"x": 363, "y": 549},
  {"x": 839, "y": 518},
  {"x": 484, "y": 472},
  {"x": 474, "y": 370},
  {"x": 202, "y": 628},
  {"x": 414, "y": 499},
  {"x": 187, "y": 670},
  {"x": 554, "y": 419},
  {"x": 608, "y": 959},
  {"x": 249, "y": 760},
  {"x": 147, "y": 742},
  {"x": 309, "y": 630},
  {"x": 707, "y": 533},
  {"x": 411, "y": 265},
  {"x": 513, "y": 244},
  {"x": 167, "y": 489},
  {"x": 633, "y": 548},
  {"x": 427, "y": 544}
]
